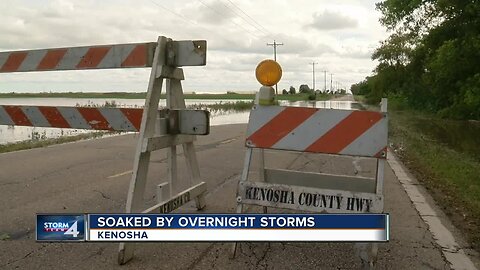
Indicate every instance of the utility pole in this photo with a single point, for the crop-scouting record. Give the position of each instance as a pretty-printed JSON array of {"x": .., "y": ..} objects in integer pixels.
[
  {"x": 331, "y": 82},
  {"x": 275, "y": 44},
  {"x": 313, "y": 76},
  {"x": 325, "y": 73}
]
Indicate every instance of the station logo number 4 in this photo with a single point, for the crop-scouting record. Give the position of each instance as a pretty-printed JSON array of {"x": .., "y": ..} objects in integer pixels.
[{"x": 73, "y": 230}]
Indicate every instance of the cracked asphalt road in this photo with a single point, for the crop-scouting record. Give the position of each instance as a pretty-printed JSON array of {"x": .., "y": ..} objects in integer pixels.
[{"x": 93, "y": 176}]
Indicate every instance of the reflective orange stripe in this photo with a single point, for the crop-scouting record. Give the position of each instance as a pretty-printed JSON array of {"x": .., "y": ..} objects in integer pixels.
[
  {"x": 13, "y": 62},
  {"x": 94, "y": 118},
  {"x": 54, "y": 117},
  {"x": 280, "y": 126},
  {"x": 345, "y": 132},
  {"x": 138, "y": 57},
  {"x": 51, "y": 59},
  {"x": 134, "y": 116},
  {"x": 93, "y": 57},
  {"x": 17, "y": 115}
]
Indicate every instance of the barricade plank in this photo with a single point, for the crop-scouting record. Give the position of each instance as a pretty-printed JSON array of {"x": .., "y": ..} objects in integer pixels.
[
  {"x": 342, "y": 132},
  {"x": 114, "y": 119},
  {"x": 309, "y": 199},
  {"x": 134, "y": 55}
]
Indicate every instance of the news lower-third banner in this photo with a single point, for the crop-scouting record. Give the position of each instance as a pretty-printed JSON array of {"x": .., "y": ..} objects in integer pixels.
[{"x": 213, "y": 227}]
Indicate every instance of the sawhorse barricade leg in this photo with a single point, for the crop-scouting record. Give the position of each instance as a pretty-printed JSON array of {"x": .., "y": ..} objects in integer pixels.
[
  {"x": 175, "y": 100},
  {"x": 148, "y": 142},
  {"x": 243, "y": 179},
  {"x": 368, "y": 252},
  {"x": 261, "y": 170}
]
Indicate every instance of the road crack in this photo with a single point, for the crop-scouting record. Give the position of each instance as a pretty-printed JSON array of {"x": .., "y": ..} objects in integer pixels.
[
  {"x": 200, "y": 258},
  {"x": 103, "y": 195},
  {"x": 24, "y": 257}
]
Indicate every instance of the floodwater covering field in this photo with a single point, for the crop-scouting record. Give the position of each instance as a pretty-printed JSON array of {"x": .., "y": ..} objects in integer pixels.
[
  {"x": 462, "y": 136},
  {"x": 11, "y": 134}
]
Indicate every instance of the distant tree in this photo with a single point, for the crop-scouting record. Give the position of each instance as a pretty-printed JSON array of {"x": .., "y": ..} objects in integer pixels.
[
  {"x": 361, "y": 88},
  {"x": 312, "y": 96},
  {"x": 284, "y": 92},
  {"x": 304, "y": 89},
  {"x": 292, "y": 90}
]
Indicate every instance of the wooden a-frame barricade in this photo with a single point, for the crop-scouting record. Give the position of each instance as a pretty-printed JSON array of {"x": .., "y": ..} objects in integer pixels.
[
  {"x": 149, "y": 142},
  {"x": 166, "y": 128}
]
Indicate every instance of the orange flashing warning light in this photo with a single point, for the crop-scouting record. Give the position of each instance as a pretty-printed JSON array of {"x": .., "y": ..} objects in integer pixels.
[{"x": 268, "y": 72}]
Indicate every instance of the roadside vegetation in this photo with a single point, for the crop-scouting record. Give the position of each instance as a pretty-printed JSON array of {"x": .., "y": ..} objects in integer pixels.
[
  {"x": 430, "y": 60},
  {"x": 224, "y": 106},
  {"x": 428, "y": 69},
  {"x": 446, "y": 160},
  {"x": 43, "y": 142}
]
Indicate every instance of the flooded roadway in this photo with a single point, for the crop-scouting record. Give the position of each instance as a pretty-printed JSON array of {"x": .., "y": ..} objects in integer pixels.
[{"x": 11, "y": 134}]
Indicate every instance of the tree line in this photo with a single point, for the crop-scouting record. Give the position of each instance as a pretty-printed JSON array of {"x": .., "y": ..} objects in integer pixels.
[
  {"x": 431, "y": 60},
  {"x": 305, "y": 89}
]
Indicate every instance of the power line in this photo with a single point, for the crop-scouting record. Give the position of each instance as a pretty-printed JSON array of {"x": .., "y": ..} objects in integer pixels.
[
  {"x": 182, "y": 17},
  {"x": 238, "y": 15},
  {"x": 224, "y": 37},
  {"x": 220, "y": 14},
  {"x": 262, "y": 28}
]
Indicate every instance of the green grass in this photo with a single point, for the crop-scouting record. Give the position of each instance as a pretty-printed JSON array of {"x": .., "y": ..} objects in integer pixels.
[
  {"x": 23, "y": 145},
  {"x": 452, "y": 177},
  {"x": 359, "y": 98}
]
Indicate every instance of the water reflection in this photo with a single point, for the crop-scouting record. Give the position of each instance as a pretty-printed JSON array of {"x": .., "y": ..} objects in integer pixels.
[
  {"x": 120, "y": 102},
  {"x": 462, "y": 136},
  {"x": 9, "y": 134},
  {"x": 326, "y": 104}
]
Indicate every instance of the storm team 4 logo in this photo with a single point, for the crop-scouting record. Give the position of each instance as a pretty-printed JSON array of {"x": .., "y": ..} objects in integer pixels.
[{"x": 60, "y": 227}]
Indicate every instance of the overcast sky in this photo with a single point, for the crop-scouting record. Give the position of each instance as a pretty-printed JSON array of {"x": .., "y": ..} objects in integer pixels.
[{"x": 339, "y": 35}]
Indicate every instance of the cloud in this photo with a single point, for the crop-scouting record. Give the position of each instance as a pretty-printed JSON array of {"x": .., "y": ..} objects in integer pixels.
[
  {"x": 329, "y": 20},
  {"x": 213, "y": 12},
  {"x": 233, "y": 50},
  {"x": 357, "y": 53},
  {"x": 292, "y": 45}
]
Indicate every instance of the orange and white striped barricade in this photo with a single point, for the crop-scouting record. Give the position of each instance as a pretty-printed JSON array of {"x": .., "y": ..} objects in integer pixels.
[
  {"x": 327, "y": 131},
  {"x": 158, "y": 129}
]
